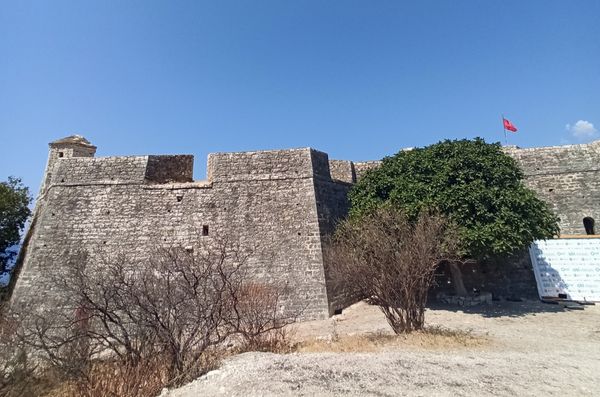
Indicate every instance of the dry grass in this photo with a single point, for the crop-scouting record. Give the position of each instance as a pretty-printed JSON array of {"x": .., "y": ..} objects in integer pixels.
[
  {"x": 117, "y": 379},
  {"x": 275, "y": 341},
  {"x": 433, "y": 337},
  {"x": 109, "y": 379},
  {"x": 25, "y": 385}
]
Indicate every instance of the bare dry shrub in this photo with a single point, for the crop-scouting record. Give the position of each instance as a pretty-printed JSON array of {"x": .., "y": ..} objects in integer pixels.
[
  {"x": 21, "y": 374},
  {"x": 16, "y": 370},
  {"x": 117, "y": 378},
  {"x": 132, "y": 326},
  {"x": 258, "y": 319},
  {"x": 390, "y": 260}
]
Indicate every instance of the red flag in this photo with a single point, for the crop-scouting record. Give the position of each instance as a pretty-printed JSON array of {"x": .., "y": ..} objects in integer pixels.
[{"x": 508, "y": 125}]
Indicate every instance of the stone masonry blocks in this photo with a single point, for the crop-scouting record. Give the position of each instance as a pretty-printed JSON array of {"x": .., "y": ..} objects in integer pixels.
[{"x": 282, "y": 203}]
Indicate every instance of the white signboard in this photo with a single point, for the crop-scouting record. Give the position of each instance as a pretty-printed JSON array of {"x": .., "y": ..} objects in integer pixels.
[{"x": 567, "y": 266}]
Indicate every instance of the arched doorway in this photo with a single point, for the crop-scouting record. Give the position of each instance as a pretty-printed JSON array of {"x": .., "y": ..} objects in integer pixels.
[{"x": 588, "y": 224}]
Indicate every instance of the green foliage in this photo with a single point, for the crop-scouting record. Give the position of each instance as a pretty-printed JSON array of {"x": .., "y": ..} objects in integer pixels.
[
  {"x": 474, "y": 183},
  {"x": 14, "y": 211}
]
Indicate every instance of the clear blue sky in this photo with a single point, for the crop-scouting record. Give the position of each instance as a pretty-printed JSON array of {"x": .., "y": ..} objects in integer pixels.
[{"x": 356, "y": 79}]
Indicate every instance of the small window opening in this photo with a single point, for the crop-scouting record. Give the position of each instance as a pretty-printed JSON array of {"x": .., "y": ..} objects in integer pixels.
[
  {"x": 61, "y": 154},
  {"x": 205, "y": 230},
  {"x": 189, "y": 248},
  {"x": 588, "y": 224},
  {"x": 179, "y": 198},
  {"x": 337, "y": 312}
]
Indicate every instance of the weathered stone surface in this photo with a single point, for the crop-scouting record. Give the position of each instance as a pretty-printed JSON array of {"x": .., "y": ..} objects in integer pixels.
[
  {"x": 281, "y": 203},
  {"x": 566, "y": 177}
]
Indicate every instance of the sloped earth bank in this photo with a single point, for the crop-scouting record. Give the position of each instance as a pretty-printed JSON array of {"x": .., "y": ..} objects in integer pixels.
[{"x": 528, "y": 349}]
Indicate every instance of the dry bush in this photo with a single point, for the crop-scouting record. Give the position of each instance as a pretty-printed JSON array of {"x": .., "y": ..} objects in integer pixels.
[
  {"x": 16, "y": 369},
  {"x": 128, "y": 327},
  {"x": 258, "y": 319},
  {"x": 390, "y": 260},
  {"x": 116, "y": 378},
  {"x": 21, "y": 374}
]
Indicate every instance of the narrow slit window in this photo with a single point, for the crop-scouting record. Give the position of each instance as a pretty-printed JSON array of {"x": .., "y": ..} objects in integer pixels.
[
  {"x": 61, "y": 154},
  {"x": 205, "y": 230}
]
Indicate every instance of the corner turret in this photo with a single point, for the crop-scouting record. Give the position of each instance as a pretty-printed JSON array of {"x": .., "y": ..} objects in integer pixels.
[
  {"x": 71, "y": 146},
  {"x": 68, "y": 147}
]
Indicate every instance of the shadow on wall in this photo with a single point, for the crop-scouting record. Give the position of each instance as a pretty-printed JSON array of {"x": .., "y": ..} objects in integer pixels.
[
  {"x": 510, "y": 280},
  {"x": 510, "y": 277}
]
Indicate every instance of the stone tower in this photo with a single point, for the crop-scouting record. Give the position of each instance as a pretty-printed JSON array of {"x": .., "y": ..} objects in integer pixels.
[{"x": 69, "y": 147}]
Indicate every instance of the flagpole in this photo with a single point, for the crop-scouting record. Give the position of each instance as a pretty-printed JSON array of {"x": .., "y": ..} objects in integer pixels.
[{"x": 504, "y": 128}]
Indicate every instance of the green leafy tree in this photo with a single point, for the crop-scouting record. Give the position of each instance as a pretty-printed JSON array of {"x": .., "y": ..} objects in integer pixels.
[
  {"x": 14, "y": 211},
  {"x": 475, "y": 184}
]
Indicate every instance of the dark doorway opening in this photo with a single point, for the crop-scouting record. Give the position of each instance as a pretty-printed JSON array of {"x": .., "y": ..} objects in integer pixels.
[{"x": 588, "y": 224}]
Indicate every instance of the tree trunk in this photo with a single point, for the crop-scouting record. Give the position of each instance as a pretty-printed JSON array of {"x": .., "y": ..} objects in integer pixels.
[{"x": 457, "y": 279}]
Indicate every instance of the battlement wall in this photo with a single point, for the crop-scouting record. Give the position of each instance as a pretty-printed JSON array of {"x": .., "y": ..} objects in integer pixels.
[
  {"x": 567, "y": 178},
  {"x": 163, "y": 169},
  {"x": 85, "y": 170},
  {"x": 342, "y": 171},
  {"x": 283, "y": 204},
  {"x": 263, "y": 165},
  {"x": 222, "y": 167},
  {"x": 364, "y": 166},
  {"x": 127, "y": 169},
  {"x": 553, "y": 160},
  {"x": 265, "y": 200}
]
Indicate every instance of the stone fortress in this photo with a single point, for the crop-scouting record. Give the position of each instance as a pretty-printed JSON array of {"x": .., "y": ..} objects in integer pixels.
[{"x": 282, "y": 203}]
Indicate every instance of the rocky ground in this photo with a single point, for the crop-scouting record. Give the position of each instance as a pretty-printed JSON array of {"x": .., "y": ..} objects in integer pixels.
[{"x": 512, "y": 348}]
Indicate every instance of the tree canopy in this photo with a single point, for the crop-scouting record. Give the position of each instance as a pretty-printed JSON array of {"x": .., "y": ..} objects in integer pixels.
[
  {"x": 14, "y": 211},
  {"x": 475, "y": 184}
]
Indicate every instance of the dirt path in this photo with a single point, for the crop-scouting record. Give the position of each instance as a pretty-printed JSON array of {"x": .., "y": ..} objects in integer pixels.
[{"x": 530, "y": 349}]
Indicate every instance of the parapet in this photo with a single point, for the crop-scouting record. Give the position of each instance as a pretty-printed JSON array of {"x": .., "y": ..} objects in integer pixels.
[
  {"x": 363, "y": 166},
  {"x": 164, "y": 169},
  {"x": 129, "y": 169},
  {"x": 262, "y": 165},
  {"x": 278, "y": 164},
  {"x": 556, "y": 159},
  {"x": 342, "y": 171},
  {"x": 72, "y": 162}
]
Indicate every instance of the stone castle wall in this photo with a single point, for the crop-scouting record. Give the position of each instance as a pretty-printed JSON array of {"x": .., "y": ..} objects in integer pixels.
[
  {"x": 278, "y": 203},
  {"x": 283, "y": 204},
  {"x": 567, "y": 178}
]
